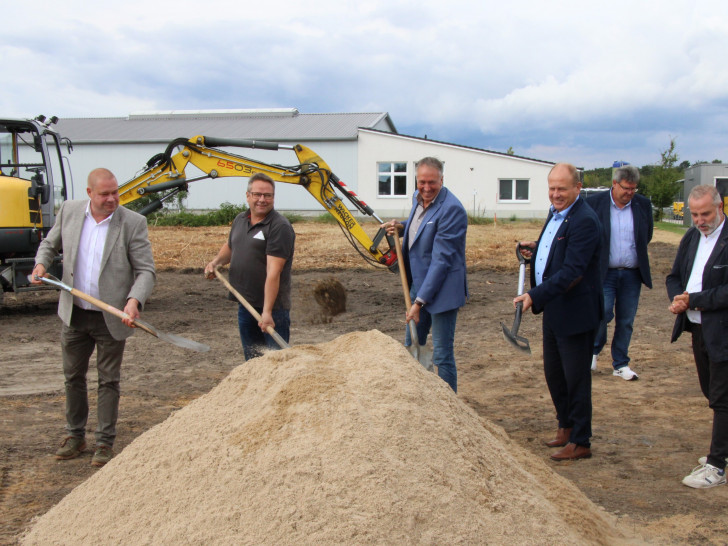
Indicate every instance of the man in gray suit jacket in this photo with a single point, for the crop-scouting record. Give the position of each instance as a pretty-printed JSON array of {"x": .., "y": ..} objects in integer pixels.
[{"x": 106, "y": 254}]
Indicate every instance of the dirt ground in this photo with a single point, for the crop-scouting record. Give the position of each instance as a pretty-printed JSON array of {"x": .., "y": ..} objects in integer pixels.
[{"x": 648, "y": 434}]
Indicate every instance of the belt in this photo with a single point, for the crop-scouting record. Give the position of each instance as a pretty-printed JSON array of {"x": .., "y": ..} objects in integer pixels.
[{"x": 624, "y": 268}]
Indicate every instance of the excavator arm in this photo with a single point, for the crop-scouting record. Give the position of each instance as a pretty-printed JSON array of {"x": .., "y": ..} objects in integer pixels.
[{"x": 165, "y": 173}]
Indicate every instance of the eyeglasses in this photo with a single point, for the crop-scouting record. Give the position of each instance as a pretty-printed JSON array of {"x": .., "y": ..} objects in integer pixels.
[
  {"x": 627, "y": 188},
  {"x": 258, "y": 195}
]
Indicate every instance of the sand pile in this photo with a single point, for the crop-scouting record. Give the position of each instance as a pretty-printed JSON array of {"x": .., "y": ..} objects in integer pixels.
[{"x": 348, "y": 442}]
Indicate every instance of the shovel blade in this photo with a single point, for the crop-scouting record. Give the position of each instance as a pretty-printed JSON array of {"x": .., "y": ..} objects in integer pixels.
[
  {"x": 414, "y": 350},
  {"x": 422, "y": 355},
  {"x": 179, "y": 341},
  {"x": 183, "y": 342},
  {"x": 519, "y": 342}
]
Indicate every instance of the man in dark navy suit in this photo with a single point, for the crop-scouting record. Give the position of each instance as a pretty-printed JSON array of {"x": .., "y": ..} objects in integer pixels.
[
  {"x": 627, "y": 226},
  {"x": 698, "y": 289},
  {"x": 433, "y": 251},
  {"x": 566, "y": 287}
]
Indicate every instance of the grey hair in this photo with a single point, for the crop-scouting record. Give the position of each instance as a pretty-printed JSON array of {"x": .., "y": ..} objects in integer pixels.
[
  {"x": 263, "y": 178},
  {"x": 627, "y": 173},
  {"x": 699, "y": 192},
  {"x": 430, "y": 162}
]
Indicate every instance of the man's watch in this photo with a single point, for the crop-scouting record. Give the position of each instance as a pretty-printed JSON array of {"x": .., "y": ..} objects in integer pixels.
[{"x": 420, "y": 303}]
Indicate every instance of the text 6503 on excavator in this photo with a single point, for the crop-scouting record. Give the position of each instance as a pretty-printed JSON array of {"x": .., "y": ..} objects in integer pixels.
[
  {"x": 33, "y": 185},
  {"x": 165, "y": 174}
]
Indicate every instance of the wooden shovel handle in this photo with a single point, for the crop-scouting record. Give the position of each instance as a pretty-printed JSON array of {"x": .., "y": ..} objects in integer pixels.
[
  {"x": 110, "y": 309},
  {"x": 402, "y": 272},
  {"x": 271, "y": 331}
]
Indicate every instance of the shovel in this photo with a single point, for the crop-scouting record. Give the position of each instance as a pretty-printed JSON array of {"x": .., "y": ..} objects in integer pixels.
[
  {"x": 512, "y": 337},
  {"x": 179, "y": 341},
  {"x": 275, "y": 335},
  {"x": 416, "y": 350}
]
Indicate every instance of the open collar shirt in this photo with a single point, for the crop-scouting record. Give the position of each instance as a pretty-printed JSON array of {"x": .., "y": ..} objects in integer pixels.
[
  {"x": 547, "y": 239},
  {"x": 87, "y": 269},
  {"x": 706, "y": 244}
]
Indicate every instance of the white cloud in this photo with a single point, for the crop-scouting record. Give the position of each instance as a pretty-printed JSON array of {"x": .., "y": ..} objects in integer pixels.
[{"x": 563, "y": 77}]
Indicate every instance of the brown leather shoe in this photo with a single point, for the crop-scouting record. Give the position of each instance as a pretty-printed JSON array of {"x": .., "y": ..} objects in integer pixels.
[
  {"x": 562, "y": 438},
  {"x": 572, "y": 451}
]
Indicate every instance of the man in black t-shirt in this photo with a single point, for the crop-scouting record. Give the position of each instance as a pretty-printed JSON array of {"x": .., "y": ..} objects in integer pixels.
[{"x": 259, "y": 250}]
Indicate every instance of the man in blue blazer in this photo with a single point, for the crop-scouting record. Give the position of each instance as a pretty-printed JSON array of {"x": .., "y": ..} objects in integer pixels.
[
  {"x": 627, "y": 226},
  {"x": 567, "y": 289},
  {"x": 698, "y": 289},
  {"x": 433, "y": 250}
]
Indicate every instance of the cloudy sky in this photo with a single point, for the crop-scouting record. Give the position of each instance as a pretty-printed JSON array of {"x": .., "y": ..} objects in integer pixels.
[{"x": 579, "y": 81}]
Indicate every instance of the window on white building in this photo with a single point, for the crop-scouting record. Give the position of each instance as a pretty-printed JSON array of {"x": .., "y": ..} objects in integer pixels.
[
  {"x": 513, "y": 190},
  {"x": 392, "y": 178}
]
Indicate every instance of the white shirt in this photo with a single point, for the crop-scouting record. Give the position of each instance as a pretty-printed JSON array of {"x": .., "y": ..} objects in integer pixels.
[
  {"x": 87, "y": 269},
  {"x": 706, "y": 244}
]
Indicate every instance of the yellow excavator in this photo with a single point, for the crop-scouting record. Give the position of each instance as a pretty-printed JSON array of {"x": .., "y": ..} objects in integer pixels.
[
  {"x": 165, "y": 174},
  {"x": 33, "y": 185},
  {"x": 34, "y": 182}
]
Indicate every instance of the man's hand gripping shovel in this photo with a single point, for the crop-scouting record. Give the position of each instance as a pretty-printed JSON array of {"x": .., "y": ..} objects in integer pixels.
[
  {"x": 179, "y": 341},
  {"x": 512, "y": 337}
]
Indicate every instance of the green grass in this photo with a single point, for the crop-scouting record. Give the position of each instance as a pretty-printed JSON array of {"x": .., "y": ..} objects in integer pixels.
[
  {"x": 479, "y": 220},
  {"x": 293, "y": 217},
  {"x": 673, "y": 228},
  {"x": 325, "y": 218},
  {"x": 220, "y": 217}
]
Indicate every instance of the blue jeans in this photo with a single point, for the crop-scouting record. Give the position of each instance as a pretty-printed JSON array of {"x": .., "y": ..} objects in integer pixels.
[
  {"x": 253, "y": 339},
  {"x": 621, "y": 296},
  {"x": 443, "y": 338}
]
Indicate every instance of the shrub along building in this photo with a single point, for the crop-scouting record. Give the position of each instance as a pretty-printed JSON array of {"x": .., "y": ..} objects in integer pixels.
[{"x": 363, "y": 149}]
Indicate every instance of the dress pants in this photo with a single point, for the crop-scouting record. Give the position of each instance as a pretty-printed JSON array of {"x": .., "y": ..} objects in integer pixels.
[
  {"x": 88, "y": 331},
  {"x": 713, "y": 377},
  {"x": 567, "y": 367}
]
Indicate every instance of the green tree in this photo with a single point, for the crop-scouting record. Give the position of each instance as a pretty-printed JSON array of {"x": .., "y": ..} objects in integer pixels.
[
  {"x": 510, "y": 151},
  {"x": 599, "y": 177},
  {"x": 661, "y": 184}
]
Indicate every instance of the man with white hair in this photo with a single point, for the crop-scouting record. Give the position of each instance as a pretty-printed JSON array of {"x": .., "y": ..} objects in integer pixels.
[{"x": 698, "y": 289}]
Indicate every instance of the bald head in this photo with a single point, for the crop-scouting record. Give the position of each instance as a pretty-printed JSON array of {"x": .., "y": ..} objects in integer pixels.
[
  {"x": 564, "y": 185},
  {"x": 99, "y": 174},
  {"x": 103, "y": 191}
]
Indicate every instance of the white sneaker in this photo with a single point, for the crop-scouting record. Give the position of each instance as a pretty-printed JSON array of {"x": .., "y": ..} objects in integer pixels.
[
  {"x": 704, "y": 460},
  {"x": 703, "y": 477},
  {"x": 626, "y": 374},
  {"x": 594, "y": 363}
]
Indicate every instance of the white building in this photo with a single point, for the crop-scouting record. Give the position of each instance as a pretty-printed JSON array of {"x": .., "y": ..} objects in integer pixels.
[{"x": 363, "y": 149}]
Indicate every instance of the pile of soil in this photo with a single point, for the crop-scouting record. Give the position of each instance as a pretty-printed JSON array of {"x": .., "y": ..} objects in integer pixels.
[{"x": 325, "y": 444}]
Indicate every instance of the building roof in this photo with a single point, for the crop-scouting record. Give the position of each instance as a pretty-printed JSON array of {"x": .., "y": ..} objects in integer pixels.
[
  {"x": 462, "y": 146},
  {"x": 280, "y": 124}
]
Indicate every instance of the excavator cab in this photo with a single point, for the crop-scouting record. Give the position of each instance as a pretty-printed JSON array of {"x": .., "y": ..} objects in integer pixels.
[{"x": 32, "y": 187}]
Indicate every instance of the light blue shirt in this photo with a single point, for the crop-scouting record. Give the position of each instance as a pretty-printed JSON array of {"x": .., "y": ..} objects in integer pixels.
[
  {"x": 622, "y": 248},
  {"x": 547, "y": 238}
]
